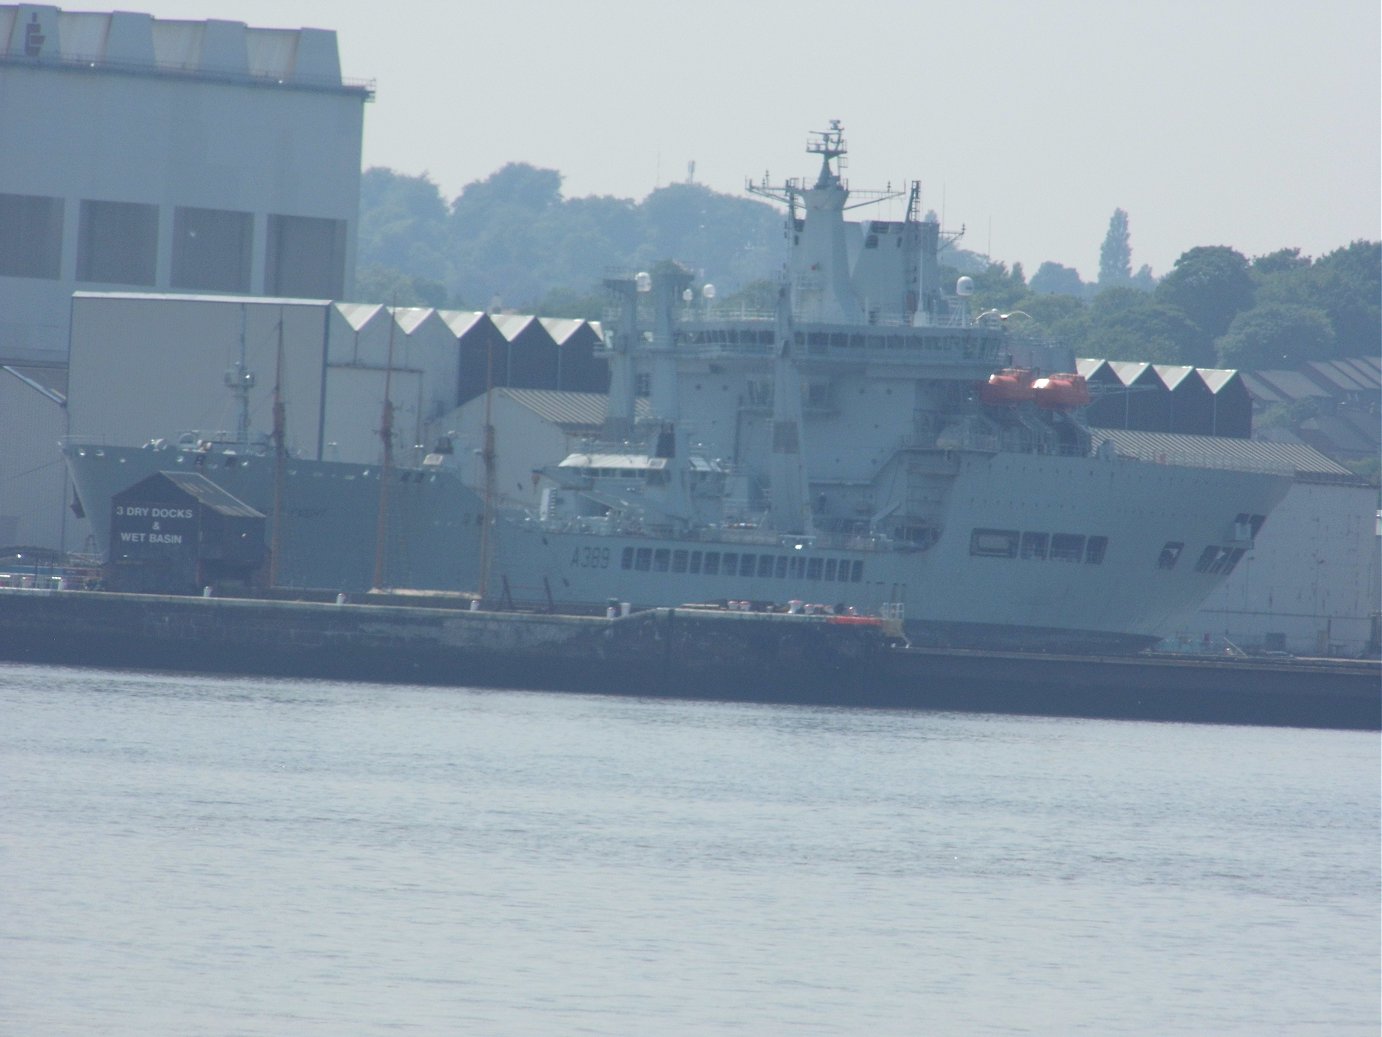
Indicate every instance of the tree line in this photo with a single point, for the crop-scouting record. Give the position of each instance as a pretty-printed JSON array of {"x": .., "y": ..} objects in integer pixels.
[{"x": 513, "y": 240}]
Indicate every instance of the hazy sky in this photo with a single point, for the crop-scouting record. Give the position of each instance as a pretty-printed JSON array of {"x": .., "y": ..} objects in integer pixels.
[{"x": 1250, "y": 123}]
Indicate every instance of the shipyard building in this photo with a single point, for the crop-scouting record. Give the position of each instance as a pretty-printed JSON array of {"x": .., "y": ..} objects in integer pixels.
[
  {"x": 180, "y": 156},
  {"x": 153, "y": 155}
]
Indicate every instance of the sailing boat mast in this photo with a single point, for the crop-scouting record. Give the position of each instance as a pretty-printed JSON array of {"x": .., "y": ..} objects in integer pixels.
[
  {"x": 240, "y": 380},
  {"x": 386, "y": 468},
  {"x": 280, "y": 453},
  {"x": 487, "y": 458}
]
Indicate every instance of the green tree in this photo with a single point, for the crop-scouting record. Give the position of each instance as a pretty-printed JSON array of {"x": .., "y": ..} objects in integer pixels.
[
  {"x": 568, "y": 302},
  {"x": 1283, "y": 260},
  {"x": 1348, "y": 285},
  {"x": 1050, "y": 311},
  {"x": 1276, "y": 335},
  {"x": 1126, "y": 324},
  {"x": 999, "y": 288},
  {"x": 403, "y": 224},
  {"x": 1055, "y": 279},
  {"x": 1210, "y": 285},
  {"x": 395, "y": 288},
  {"x": 1143, "y": 280},
  {"x": 1115, "y": 255}
]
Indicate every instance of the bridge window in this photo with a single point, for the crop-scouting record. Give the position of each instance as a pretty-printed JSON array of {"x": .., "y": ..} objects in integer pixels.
[
  {"x": 1067, "y": 547},
  {"x": 994, "y": 543}
]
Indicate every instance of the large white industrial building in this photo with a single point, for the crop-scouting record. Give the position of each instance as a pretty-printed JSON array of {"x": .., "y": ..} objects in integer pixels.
[
  {"x": 163, "y": 156},
  {"x": 159, "y": 155},
  {"x": 147, "y": 367}
]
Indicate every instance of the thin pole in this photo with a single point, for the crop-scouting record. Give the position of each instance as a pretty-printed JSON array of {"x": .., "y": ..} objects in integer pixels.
[
  {"x": 280, "y": 453},
  {"x": 386, "y": 468},
  {"x": 487, "y": 458}
]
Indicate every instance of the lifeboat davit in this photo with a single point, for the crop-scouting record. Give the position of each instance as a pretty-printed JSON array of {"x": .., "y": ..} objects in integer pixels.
[
  {"x": 1007, "y": 388},
  {"x": 1061, "y": 392}
]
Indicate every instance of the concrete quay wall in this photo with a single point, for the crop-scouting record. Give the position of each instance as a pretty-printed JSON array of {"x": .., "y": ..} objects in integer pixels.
[{"x": 684, "y": 652}]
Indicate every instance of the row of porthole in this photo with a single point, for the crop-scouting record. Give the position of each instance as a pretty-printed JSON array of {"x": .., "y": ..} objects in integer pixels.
[{"x": 746, "y": 565}]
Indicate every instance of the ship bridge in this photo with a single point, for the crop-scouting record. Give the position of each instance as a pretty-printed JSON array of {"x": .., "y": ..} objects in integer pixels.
[{"x": 936, "y": 351}]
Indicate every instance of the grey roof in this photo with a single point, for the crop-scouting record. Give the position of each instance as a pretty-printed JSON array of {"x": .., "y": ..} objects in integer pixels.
[
  {"x": 562, "y": 328},
  {"x": 209, "y": 495},
  {"x": 1366, "y": 372},
  {"x": 1220, "y": 452},
  {"x": 1218, "y": 378},
  {"x": 214, "y": 48},
  {"x": 1129, "y": 371},
  {"x": 48, "y": 381},
  {"x": 1331, "y": 376},
  {"x": 511, "y": 325},
  {"x": 573, "y": 411},
  {"x": 1262, "y": 390},
  {"x": 1340, "y": 435},
  {"x": 1292, "y": 385},
  {"x": 623, "y": 462},
  {"x": 1172, "y": 375},
  {"x": 1088, "y": 365},
  {"x": 461, "y": 321}
]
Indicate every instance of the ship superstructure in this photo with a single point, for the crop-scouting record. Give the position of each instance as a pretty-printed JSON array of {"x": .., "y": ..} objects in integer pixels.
[
  {"x": 863, "y": 441},
  {"x": 856, "y": 445}
]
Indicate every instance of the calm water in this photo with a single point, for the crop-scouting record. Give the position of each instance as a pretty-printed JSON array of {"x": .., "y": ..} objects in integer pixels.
[{"x": 237, "y": 856}]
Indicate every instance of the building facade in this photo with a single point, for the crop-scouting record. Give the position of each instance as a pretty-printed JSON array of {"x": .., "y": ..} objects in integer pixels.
[{"x": 163, "y": 155}]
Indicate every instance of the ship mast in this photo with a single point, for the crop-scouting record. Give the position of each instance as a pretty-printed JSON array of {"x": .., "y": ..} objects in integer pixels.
[
  {"x": 791, "y": 510},
  {"x": 822, "y": 285},
  {"x": 280, "y": 453},
  {"x": 386, "y": 467},
  {"x": 487, "y": 459},
  {"x": 619, "y": 410},
  {"x": 240, "y": 380}
]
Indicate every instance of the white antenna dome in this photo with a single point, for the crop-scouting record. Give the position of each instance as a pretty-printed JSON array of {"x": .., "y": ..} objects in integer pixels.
[
  {"x": 708, "y": 292},
  {"x": 964, "y": 286},
  {"x": 643, "y": 281}
]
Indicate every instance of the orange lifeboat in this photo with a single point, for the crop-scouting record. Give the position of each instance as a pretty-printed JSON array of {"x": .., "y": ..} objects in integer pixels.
[
  {"x": 1061, "y": 391},
  {"x": 1007, "y": 388}
]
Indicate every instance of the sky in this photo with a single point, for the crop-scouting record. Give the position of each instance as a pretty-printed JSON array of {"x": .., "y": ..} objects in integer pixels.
[{"x": 1211, "y": 122}]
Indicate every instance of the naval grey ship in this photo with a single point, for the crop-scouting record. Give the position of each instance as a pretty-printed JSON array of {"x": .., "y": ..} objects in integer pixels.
[{"x": 865, "y": 444}]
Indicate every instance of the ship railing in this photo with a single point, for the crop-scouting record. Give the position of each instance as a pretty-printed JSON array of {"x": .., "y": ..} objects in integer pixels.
[
  {"x": 743, "y": 536},
  {"x": 978, "y": 442},
  {"x": 1194, "y": 459}
]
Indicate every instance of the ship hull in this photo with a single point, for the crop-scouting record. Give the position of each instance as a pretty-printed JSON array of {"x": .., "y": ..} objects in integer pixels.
[
  {"x": 1119, "y": 598},
  {"x": 961, "y": 590},
  {"x": 329, "y": 514}
]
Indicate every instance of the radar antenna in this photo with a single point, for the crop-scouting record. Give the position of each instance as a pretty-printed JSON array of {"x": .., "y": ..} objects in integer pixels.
[{"x": 832, "y": 148}]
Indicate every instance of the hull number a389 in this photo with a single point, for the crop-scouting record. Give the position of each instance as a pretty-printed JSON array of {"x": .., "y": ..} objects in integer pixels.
[{"x": 590, "y": 558}]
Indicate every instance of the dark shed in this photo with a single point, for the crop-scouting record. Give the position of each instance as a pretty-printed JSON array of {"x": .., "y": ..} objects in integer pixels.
[
  {"x": 176, "y": 532},
  {"x": 1232, "y": 403}
]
